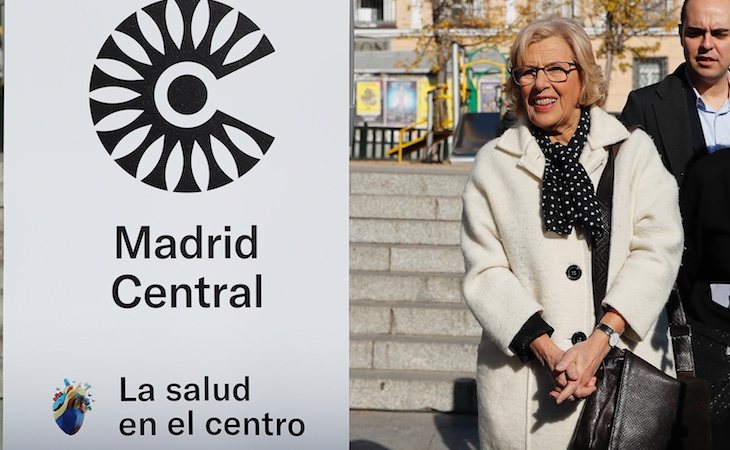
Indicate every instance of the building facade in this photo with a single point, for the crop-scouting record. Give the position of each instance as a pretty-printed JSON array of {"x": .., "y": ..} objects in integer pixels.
[{"x": 387, "y": 32}]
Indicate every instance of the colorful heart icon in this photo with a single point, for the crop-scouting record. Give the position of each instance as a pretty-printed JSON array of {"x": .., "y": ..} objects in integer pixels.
[{"x": 70, "y": 405}]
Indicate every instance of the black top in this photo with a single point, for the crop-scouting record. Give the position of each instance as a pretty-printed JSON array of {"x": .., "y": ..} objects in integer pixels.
[
  {"x": 705, "y": 204},
  {"x": 531, "y": 330}
]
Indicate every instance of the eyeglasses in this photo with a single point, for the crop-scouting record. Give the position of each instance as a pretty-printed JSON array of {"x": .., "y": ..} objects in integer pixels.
[{"x": 556, "y": 72}]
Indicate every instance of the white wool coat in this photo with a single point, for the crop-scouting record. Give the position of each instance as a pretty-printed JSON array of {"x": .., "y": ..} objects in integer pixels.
[{"x": 515, "y": 269}]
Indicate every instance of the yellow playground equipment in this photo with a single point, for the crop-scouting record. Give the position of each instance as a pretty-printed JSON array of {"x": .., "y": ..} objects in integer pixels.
[
  {"x": 434, "y": 132},
  {"x": 470, "y": 67}
]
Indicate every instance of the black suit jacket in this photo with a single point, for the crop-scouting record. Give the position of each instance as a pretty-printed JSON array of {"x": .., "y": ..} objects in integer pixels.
[
  {"x": 667, "y": 111},
  {"x": 705, "y": 203}
]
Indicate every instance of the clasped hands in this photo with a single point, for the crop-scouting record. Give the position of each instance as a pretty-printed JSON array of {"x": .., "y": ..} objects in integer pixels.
[{"x": 573, "y": 370}]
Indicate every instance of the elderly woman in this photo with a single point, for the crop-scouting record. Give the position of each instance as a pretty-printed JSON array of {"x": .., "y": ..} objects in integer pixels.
[{"x": 530, "y": 220}]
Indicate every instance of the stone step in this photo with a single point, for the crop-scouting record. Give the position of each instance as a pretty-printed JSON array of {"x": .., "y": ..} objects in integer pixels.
[
  {"x": 405, "y": 286},
  {"x": 413, "y": 343},
  {"x": 390, "y": 352},
  {"x": 413, "y": 390},
  {"x": 411, "y": 258},
  {"x": 411, "y": 184},
  {"x": 407, "y": 258},
  {"x": 412, "y": 319},
  {"x": 399, "y": 231},
  {"x": 369, "y": 257},
  {"x": 405, "y": 207}
]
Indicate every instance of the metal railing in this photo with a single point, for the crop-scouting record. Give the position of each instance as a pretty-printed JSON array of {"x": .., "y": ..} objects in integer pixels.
[
  {"x": 405, "y": 140},
  {"x": 372, "y": 142}
]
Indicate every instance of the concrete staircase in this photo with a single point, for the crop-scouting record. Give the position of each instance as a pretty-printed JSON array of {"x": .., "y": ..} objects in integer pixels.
[{"x": 413, "y": 342}]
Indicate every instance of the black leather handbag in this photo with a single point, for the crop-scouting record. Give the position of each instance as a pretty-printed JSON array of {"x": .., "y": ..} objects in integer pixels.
[{"x": 636, "y": 405}]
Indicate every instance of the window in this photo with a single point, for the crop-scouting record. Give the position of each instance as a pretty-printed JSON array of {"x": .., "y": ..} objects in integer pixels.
[
  {"x": 511, "y": 12},
  {"x": 657, "y": 10},
  {"x": 462, "y": 8},
  {"x": 416, "y": 15},
  {"x": 550, "y": 8},
  {"x": 649, "y": 71},
  {"x": 370, "y": 11},
  {"x": 374, "y": 13}
]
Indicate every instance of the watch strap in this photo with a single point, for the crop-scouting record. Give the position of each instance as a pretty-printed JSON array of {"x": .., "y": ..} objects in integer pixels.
[{"x": 612, "y": 335}]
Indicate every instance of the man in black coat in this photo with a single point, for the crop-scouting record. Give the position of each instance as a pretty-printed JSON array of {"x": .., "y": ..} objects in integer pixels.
[
  {"x": 687, "y": 115},
  {"x": 667, "y": 111}
]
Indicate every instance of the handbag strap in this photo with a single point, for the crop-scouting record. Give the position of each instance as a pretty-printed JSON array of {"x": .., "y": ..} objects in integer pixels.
[
  {"x": 681, "y": 332},
  {"x": 679, "y": 329},
  {"x": 602, "y": 244}
]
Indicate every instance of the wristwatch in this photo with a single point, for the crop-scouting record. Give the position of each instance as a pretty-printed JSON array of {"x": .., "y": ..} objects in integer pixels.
[{"x": 613, "y": 337}]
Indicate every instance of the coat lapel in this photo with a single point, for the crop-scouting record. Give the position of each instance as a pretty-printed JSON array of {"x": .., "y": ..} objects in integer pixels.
[
  {"x": 676, "y": 117},
  {"x": 519, "y": 142},
  {"x": 533, "y": 160},
  {"x": 673, "y": 120},
  {"x": 605, "y": 130}
]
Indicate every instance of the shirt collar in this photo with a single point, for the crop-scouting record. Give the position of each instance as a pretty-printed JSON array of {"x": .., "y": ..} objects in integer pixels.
[{"x": 700, "y": 103}]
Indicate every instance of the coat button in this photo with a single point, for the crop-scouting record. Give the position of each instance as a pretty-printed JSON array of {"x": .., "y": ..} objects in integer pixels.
[
  {"x": 573, "y": 272},
  {"x": 578, "y": 336}
]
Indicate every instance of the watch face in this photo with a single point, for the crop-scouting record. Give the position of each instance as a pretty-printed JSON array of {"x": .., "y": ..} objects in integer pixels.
[{"x": 613, "y": 339}]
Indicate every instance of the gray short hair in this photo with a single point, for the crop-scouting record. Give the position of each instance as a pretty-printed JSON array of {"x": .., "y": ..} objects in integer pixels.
[{"x": 593, "y": 86}]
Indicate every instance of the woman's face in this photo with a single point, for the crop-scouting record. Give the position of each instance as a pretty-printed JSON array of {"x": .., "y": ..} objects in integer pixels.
[{"x": 552, "y": 106}]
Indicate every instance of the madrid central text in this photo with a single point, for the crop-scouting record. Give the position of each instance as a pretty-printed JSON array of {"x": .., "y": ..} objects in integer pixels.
[{"x": 131, "y": 290}]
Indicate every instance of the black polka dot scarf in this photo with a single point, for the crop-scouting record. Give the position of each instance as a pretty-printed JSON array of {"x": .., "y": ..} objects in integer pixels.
[{"x": 568, "y": 196}]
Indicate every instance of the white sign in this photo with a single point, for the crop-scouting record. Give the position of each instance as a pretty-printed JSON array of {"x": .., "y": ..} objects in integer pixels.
[
  {"x": 720, "y": 293},
  {"x": 176, "y": 225}
]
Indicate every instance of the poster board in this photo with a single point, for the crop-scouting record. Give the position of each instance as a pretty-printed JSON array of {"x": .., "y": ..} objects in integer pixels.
[{"x": 175, "y": 227}]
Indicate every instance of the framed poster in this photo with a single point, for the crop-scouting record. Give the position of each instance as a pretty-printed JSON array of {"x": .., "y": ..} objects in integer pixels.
[
  {"x": 489, "y": 95},
  {"x": 369, "y": 101},
  {"x": 401, "y": 103}
]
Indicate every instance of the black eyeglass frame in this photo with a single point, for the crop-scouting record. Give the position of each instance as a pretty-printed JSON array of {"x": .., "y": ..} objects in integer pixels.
[{"x": 549, "y": 71}]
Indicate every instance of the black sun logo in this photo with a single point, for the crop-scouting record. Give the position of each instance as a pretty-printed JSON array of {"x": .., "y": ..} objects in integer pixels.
[{"x": 153, "y": 95}]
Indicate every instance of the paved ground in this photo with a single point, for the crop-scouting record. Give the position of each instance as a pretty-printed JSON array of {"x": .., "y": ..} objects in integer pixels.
[{"x": 385, "y": 430}]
